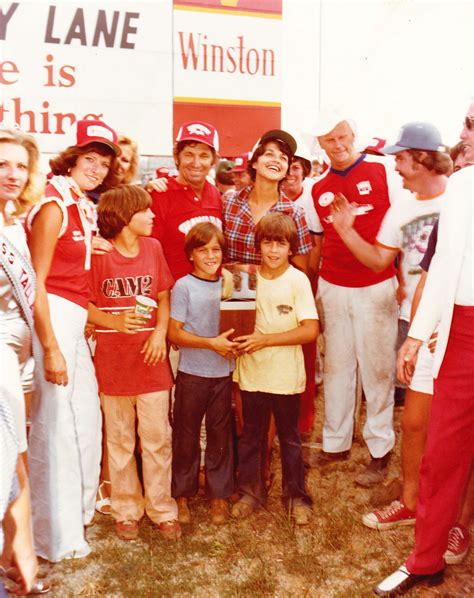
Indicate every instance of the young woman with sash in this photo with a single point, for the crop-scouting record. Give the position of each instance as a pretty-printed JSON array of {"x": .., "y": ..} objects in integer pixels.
[{"x": 19, "y": 187}]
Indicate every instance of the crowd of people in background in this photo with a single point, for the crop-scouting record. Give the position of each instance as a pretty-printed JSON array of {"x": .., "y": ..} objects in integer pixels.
[{"x": 112, "y": 349}]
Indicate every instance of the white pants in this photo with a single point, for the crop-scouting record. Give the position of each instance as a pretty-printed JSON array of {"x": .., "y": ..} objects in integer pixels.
[
  {"x": 65, "y": 441},
  {"x": 360, "y": 329}
]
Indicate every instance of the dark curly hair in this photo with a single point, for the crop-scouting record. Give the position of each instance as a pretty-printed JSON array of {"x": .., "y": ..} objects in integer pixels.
[{"x": 63, "y": 162}]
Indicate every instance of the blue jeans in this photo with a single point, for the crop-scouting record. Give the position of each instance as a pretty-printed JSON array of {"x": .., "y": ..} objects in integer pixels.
[
  {"x": 195, "y": 397},
  {"x": 257, "y": 407}
]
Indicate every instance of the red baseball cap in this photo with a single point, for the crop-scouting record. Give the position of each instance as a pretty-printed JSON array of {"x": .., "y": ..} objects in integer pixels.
[
  {"x": 375, "y": 146},
  {"x": 240, "y": 163},
  {"x": 200, "y": 132},
  {"x": 96, "y": 131},
  {"x": 162, "y": 171}
]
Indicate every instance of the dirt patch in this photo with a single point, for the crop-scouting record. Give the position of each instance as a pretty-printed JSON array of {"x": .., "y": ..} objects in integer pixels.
[{"x": 335, "y": 556}]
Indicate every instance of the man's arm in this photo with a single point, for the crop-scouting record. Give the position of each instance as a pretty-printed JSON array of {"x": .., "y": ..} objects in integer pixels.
[{"x": 417, "y": 294}]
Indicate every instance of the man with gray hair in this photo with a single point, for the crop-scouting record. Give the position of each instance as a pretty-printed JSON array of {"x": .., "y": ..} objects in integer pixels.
[
  {"x": 424, "y": 164},
  {"x": 358, "y": 306}
]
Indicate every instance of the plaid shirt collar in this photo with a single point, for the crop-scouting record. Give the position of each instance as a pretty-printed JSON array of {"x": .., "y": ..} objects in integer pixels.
[{"x": 242, "y": 198}]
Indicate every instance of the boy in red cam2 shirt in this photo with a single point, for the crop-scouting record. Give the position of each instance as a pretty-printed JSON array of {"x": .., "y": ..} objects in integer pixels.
[{"x": 131, "y": 362}]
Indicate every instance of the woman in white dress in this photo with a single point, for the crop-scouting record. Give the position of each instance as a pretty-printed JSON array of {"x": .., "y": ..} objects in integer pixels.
[{"x": 20, "y": 186}]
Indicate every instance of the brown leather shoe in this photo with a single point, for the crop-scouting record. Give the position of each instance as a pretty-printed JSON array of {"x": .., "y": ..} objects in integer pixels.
[
  {"x": 219, "y": 511},
  {"x": 375, "y": 472},
  {"x": 302, "y": 514},
  {"x": 325, "y": 458},
  {"x": 244, "y": 507},
  {"x": 184, "y": 514}
]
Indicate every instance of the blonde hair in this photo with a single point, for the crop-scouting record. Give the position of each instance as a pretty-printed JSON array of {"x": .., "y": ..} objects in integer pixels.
[
  {"x": 35, "y": 185},
  {"x": 129, "y": 176}
]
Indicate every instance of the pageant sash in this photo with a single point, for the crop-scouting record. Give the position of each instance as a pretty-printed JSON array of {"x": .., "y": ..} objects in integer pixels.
[{"x": 22, "y": 277}]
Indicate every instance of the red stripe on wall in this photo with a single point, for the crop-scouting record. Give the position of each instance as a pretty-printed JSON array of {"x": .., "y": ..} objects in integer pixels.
[
  {"x": 265, "y": 6},
  {"x": 238, "y": 126}
]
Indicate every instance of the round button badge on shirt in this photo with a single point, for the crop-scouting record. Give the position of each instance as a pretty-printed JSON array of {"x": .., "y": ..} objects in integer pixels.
[{"x": 326, "y": 198}]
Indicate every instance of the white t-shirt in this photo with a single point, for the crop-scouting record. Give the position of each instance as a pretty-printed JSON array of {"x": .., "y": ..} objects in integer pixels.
[
  {"x": 407, "y": 225},
  {"x": 305, "y": 201},
  {"x": 282, "y": 303}
]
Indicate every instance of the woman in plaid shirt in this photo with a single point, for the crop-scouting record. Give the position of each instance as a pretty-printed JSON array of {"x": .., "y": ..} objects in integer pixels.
[{"x": 268, "y": 166}]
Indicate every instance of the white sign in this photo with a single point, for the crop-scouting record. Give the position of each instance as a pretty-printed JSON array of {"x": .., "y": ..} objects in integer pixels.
[{"x": 64, "y": 61}]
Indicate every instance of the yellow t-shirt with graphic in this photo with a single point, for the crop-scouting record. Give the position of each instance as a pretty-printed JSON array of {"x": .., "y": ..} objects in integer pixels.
[{"x": 282, "y": 303}]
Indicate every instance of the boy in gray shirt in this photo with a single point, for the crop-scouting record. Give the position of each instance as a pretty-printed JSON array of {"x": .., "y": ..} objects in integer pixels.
[{"x": 204, "y": 379}]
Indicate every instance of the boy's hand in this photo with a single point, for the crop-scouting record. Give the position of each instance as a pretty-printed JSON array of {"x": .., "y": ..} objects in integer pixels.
[
  {"x": 155, "y": 347},
  {"x": 89, "y": 332},
  {"x": 222, "y": 345},
  {"x": 129, "y": 322},
  {"x": 250, "y": 343}
]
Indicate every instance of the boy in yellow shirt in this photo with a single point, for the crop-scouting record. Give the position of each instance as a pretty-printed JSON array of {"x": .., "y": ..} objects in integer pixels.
[{"x": 271, "y": 372}]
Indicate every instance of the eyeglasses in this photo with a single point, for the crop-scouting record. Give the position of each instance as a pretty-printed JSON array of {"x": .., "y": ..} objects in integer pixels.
[{"x": 469, "y": 123}]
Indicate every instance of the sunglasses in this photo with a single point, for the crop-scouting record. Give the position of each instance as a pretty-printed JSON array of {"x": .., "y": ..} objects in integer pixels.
[{"x": 469, "y": 123}]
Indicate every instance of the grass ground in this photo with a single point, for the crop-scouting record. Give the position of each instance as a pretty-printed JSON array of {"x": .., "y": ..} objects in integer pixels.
[{"x": 335, "y": 556}]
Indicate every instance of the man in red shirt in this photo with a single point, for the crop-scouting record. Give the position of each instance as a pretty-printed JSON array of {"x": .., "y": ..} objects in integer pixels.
[
  {"x": 358, "y": 306},
  {"x": 189, "y": 198}
]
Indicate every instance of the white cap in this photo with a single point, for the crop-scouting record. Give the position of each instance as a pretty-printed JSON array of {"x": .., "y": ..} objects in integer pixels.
[{"x": 328, "y": 119}]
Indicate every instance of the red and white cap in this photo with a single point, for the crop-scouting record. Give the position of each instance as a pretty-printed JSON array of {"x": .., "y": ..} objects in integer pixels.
[
  {"x": 375, "y": 146},
  {"x": 96, "y": 131},
  {"x": 240, "y": 163},
  {"x": 200, "y": 132}
]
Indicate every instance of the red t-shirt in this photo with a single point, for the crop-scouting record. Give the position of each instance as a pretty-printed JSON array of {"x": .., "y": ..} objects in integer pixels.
[
  {"x": 69, "y": 272},
  {"x": 115, "y": 282},
  {"x": 365, "y": 185},
  {"x": 176, "y": 211}
]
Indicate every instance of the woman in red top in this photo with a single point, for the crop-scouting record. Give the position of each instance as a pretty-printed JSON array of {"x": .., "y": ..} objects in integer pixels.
[{"x": 65, "y": 438}]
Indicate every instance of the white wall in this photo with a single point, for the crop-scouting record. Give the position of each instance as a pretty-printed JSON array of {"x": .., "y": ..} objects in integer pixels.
[{"x": 385, "y": 62}]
